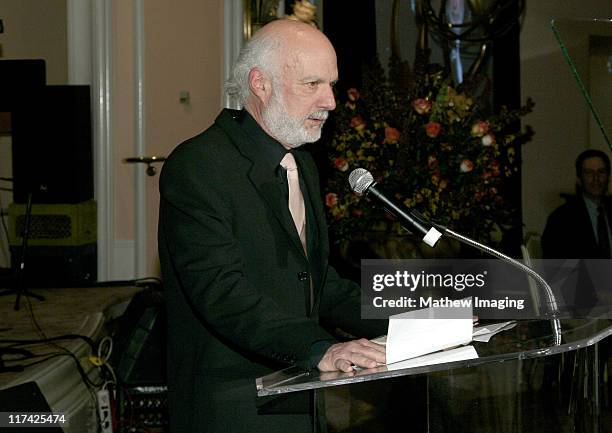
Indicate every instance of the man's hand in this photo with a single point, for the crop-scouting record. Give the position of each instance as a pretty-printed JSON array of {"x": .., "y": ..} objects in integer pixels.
[{"x": 342, "y": 356}]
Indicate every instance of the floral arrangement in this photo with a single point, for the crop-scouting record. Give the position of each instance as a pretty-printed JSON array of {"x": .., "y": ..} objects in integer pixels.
[{"x": 431, "y": 143}]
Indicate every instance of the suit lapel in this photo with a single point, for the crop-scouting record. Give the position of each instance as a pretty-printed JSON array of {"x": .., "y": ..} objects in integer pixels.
[
  {"x": 268, "y": 187},
  {"x": 262, "y": 178}
]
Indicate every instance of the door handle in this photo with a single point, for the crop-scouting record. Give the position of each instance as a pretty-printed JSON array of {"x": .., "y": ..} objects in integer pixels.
[{"x": 149, "y": 160}]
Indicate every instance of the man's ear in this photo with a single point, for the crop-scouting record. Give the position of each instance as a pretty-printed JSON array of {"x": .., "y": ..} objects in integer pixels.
[{"x": 260, "y": 85}]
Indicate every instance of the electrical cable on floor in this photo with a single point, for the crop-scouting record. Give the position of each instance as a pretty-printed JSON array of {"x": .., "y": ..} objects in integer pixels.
[
  {"x": 89, "y": 384},
  {"x": 27, "y": 342},
  {"x": 4, "y": 226},
  {"x": 105, "y": 349}
]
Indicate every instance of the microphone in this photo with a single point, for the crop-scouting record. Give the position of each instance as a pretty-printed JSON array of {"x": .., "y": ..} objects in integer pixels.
[{"x": 362, "y": 182}]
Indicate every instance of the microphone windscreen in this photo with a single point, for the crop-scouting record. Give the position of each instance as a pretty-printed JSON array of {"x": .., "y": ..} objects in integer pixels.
[{"x": 360, "y": 180}]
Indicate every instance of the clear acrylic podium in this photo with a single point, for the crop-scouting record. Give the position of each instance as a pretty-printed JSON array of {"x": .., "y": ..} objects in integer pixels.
[{"x": 522, "y": 381}]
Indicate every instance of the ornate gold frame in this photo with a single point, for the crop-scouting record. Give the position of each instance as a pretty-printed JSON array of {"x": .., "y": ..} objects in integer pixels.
[{"x": 254, "y": 10}]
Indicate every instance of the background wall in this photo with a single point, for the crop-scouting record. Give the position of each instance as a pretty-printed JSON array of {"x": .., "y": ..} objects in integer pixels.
[
  {"x": 36, "y": 29},
  {"x": 600, "y": 83},
  {"x": 560, "y": 118}
]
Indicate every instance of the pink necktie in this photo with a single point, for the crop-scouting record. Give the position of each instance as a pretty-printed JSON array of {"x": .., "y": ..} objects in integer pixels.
[{"x": 296, "y": 200}]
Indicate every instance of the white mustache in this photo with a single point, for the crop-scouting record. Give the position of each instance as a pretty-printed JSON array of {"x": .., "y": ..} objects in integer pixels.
[{"x": 319, "y": 115}]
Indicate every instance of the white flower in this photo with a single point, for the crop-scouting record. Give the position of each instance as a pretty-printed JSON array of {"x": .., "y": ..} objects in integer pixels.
[{"x": 487, "y": 140}]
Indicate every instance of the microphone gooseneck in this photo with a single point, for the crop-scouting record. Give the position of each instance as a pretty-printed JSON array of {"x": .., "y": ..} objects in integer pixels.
[{"x": 362, "y": 182}]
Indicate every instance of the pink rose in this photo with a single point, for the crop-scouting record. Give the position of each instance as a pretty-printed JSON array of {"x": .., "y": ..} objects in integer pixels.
[
  {"x": 353, "y": 94},
  {"x": 358, "y": 123},
  {"x": 480, "y": 128},
  {"x": 432, "y": 129},
  {"x": 466, "y": 166},
  {"x": 331, "y": 199},
  {"x": 341, "y": 164},
  {"x": 421, "y": 105},
  {"x": 488, "y": 140},
  {"x": 391, "y": 135}
]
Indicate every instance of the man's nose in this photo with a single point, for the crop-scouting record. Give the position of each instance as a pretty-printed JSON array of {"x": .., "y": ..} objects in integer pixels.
[{"x": 328, "y": 100}]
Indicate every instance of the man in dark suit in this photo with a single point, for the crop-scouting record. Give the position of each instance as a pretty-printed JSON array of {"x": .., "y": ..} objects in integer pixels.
[
  {"x": 580, "y": 228},
  {"x": 245, "y": 270}
]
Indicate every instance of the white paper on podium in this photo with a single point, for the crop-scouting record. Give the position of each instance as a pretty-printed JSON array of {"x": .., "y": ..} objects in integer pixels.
[
  {"x": 412, "y": 334},
  {"x": 484, "y": 333},
  {"x": 458, "y": 354}
]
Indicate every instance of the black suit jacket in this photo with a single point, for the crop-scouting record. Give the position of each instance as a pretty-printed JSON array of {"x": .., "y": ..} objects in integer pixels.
[
  {"x": 569, "y": 233},
  {"x": 238, "y": 280}
]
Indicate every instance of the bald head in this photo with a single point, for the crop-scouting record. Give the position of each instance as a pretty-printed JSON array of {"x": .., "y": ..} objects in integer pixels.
[
  {"x": 284, "y": 28},
  {"x": 294, "y": 36}
]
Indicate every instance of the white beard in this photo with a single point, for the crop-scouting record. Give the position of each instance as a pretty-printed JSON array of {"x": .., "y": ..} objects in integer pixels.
[{"x": 291, "y": 130}]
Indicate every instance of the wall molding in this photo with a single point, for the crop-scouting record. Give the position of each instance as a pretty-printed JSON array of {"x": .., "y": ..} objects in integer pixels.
[
  {"x": 79, "y": 40},
  {"x": 123, "y": 264},
  {"x": 233, "y": 38},
  {"x": 102, "y": 128}
]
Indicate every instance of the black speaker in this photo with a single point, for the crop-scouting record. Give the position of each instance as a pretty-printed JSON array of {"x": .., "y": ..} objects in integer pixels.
[
  {"x": 52, "y": 146},
  {"x": 58, "y": 266}
]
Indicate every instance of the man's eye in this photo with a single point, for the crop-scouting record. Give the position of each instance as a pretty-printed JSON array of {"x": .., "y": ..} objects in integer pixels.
[{"x": 312, "y": 84}]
